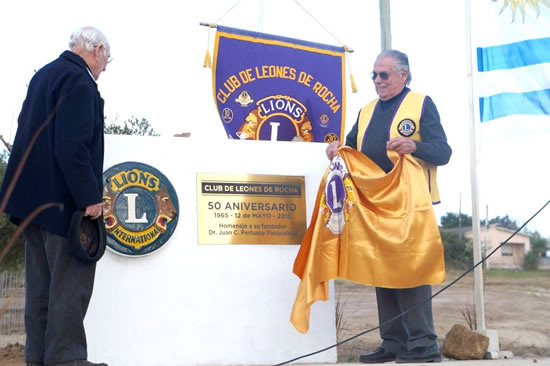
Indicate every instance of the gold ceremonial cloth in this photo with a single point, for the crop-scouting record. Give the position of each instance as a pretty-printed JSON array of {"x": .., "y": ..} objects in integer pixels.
[{"x": 389, "y": 239}]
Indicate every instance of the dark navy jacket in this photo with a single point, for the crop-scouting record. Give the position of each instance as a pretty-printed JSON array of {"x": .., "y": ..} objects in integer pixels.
[{"x": 66, "y": 162}]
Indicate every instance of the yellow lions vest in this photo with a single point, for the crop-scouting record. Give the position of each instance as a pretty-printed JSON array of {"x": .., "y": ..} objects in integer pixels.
[{"x": 406, "y": 123}]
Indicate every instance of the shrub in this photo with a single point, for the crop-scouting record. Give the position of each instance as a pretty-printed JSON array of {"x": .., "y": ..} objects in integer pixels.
[
  {"x": 458, "y": 251},
  {"x": 531, "y": 260}
]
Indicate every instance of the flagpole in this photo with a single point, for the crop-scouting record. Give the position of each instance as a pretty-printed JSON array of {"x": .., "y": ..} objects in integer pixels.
[
  {"x": 385, "y": 24},
  {"x": 479, "y": 301}
]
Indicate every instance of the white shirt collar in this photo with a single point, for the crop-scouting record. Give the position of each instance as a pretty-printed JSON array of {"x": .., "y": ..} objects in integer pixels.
[{"x": 91, "y": 75}]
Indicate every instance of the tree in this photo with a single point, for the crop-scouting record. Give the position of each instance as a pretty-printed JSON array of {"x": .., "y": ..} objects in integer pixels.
[
  {"x": 458, "y": 250},
  {"x": 531, "y": 261},
  {"x": 132, "y": 126},
  {"x": 504, "y": 222},
  {"x": 539, "y": 245},
  {"x": 450, "y": 220},
  {"x": 14, "y": 259}
]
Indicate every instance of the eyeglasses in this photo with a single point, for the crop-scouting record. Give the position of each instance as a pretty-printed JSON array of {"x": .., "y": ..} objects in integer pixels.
[
  {"x": 383, "y": 75},
  {"x": 109, "y": 58}
]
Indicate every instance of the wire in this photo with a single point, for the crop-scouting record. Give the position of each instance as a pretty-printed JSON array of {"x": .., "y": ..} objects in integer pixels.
[
  {"x": 227, "y": 12},
  {"x": 322, "y": 26},
  {"x": 422, "y": 303}
]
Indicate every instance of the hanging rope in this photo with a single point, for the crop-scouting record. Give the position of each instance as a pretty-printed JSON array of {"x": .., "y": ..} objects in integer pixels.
[
  {"x": 322, "y": 26},
  {"x": 346, "y": 48},
  {"x": 227, "y": 12},
  {"x": 424, "y": 302}
]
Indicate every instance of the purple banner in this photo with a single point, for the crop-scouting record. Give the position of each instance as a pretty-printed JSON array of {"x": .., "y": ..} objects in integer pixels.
[{"x": 280, "y": 89}]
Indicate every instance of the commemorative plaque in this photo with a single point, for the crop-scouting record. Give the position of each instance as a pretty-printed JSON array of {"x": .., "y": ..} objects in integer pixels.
[
  {"x": 250, "y": 209},
  {"x": 141, "y": 208}
]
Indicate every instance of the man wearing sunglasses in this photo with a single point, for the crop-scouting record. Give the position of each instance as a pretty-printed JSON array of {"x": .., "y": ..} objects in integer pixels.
[
  {"x": 408, "y": 123},
  {"x": 60, "y": 127}
]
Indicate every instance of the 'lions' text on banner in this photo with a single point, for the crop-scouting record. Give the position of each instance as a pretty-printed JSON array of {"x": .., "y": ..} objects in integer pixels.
[{"x": 273, "y": 88}]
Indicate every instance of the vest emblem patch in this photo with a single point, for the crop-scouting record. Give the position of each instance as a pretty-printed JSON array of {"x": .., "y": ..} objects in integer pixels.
[{"x": 406, "y": 127}]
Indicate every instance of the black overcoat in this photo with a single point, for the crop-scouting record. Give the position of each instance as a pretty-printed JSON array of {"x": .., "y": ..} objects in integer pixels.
[{"x": 66, "y": 162}]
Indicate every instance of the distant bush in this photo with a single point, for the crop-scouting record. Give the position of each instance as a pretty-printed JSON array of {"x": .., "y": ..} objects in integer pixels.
[
  {"x": 458, "y": 251},
  {"x": 531, "y": 260}
]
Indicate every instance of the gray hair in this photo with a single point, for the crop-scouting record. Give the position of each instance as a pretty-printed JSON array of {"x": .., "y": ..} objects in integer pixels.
[
  {"x": 87, "y": 38},
  {"x": 401, "y": 62}
]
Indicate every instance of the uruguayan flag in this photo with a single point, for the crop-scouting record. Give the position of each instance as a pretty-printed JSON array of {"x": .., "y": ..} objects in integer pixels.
[{"x": 512, "y": 40}]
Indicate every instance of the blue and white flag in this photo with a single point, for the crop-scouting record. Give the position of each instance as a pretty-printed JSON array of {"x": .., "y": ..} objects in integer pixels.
[{"x": 512, "y": 40}]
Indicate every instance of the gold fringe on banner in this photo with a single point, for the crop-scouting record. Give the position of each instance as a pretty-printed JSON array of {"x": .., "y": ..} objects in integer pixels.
[
  {"x": 207, "y": 57},
  {"x": 207, "y": 60},
  {"x": 353, "y": 86}
]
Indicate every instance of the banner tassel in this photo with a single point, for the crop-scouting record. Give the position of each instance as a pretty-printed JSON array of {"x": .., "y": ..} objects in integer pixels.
[
  {"x": 353, "y": 86},
  {"x": 207, "y": 60}
]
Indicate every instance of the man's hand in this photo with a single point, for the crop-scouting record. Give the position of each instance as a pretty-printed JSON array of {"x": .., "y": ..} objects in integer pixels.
[
  {"x": 402, "y": 145},
  {"x": 332, "y": 148},
  {"x": 94, "y": 210}
]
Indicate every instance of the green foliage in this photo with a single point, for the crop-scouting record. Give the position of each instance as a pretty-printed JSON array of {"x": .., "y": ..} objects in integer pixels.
[
  {"x": 14, "y": 260},
  {"x": 450, "y": 220},
  {"x": 458, "y": 251},
  {"x": 539, "y": 245},
  {"x": 531, "y": 260},
  {"x": 4, "y": 156},
  {"x": 505, "y": 222},
  {"x": 132, "y": 126}
]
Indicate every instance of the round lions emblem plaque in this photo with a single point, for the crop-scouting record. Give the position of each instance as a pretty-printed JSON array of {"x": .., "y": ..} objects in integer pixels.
[{"x": 141, "y": 208}]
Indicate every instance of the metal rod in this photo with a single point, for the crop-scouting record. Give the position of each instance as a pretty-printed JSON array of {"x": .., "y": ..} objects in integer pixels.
[{"x": 208, "y": 25}]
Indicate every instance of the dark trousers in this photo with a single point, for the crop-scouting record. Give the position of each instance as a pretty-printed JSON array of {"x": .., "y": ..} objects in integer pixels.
[
  {"x": 415, "y": 329},
  {"x": 58, "y": 290}
]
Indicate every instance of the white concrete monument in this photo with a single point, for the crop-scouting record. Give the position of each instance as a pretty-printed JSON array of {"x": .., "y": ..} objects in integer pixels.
[{"x": 197, "y": 304}]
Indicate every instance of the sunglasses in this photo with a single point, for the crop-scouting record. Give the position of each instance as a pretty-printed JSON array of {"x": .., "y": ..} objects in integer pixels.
[{"x": 383, "y": 75}]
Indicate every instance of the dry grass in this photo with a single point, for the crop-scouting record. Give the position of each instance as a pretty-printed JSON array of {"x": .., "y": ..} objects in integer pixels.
[
  {"x": 516, "y": 305},
  {"x": 469, "y": 315}
]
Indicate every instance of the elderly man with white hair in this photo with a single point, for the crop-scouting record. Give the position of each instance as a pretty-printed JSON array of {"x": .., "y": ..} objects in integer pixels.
[{"x": 61, "y": 122}]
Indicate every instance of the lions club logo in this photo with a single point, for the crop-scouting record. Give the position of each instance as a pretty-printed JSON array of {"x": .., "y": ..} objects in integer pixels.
[
  {"x": 338, "y": 197},
  {"x": 278, "y": 117},
  {"x": 406, "y": 127},
  {"x": 141, "y": 208}
]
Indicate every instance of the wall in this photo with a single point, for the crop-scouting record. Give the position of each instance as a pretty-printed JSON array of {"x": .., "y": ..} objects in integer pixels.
[
  {"x": 190, "y": 304},
  {"x": 520, "y": 243}
]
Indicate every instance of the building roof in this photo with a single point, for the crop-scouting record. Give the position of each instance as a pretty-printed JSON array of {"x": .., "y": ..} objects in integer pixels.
[{"x": 468, "y": 229}]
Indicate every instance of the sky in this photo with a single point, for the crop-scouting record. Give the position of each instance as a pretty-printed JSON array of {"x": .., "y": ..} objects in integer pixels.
[{"x": 158, "y": 50}]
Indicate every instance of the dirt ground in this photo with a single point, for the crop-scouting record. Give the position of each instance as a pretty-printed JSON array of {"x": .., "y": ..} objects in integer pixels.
[{"x": 519, "y": 309}]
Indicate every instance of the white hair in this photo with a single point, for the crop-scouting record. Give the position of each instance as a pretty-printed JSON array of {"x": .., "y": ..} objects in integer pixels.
[
  {"x": 401, "y": 62},
  {"x": 87, "y": 38}
]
